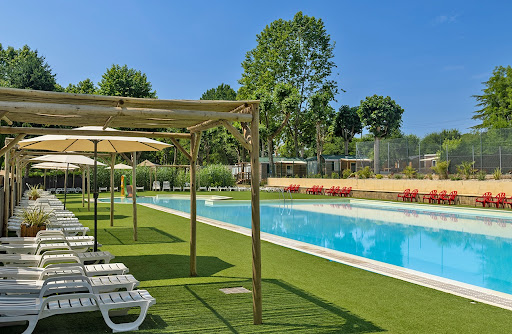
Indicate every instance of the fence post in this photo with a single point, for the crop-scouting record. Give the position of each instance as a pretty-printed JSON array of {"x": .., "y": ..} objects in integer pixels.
[
  {"x": 473, "y": 151},
  {"x": 419, "y": 157},
  {"x": 500, "y": 156},
  {"x": 388, "y": 157},
  {"x": 481, "y": 152}
]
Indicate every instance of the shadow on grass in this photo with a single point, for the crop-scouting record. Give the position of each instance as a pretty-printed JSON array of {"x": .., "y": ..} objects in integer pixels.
[
  {"x": 285, "y": 308},
  {"x": 166, "y": 266},
  {"x": 124, "y": 236}
]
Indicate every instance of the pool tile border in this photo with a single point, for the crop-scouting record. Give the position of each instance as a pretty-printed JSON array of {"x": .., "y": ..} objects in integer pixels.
[{"x": 471, "y": 292}]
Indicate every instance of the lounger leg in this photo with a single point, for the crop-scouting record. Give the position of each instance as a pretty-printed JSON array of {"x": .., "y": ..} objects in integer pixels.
[{"x": 131, "y": 326}]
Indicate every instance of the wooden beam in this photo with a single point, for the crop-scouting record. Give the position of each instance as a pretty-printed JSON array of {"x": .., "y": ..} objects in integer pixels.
[
  {"x": 255, "y": 218},
  {"x": 12, "y": 143},
  {"x": 6, "y": 192},
  {"x": 125, "y": 157},
  {"x": 234, "y": 131},
  {"x": 88, "y": 188},
  {"x": 205, "y": 126},
  {"x": 83, "y": 184},
  {"x": 134, "y": 195},
  {"x": 55, "y": 131},
  {"x": 109, "y": 120},
  {"x": 36, "y": 108},
  {"x": 182, "y": 150},
  {"x": 194, "y": 144}
]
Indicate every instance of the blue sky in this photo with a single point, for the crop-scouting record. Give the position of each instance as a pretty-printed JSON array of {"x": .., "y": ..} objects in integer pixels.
[{"x": 429, "y": 56}]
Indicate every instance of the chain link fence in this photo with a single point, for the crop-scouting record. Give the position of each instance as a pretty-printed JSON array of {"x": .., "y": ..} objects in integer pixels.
[{"x": 489, "y": 150}]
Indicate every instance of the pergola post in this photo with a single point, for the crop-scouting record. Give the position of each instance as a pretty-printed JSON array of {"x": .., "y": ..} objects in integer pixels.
[
  {"x": 13, "y": 184},
  {"x": 112, "y": 163},
  {"x": 194, "y": 149},
  {"x": 44, "y": 182},
  {"x": 134, "y": 194},
  {"x": 255, "y": 217},
  {"x": 6, "y": 191},
  {"x": 83, "y": 184},
  {"x": 88, "y": 188}
]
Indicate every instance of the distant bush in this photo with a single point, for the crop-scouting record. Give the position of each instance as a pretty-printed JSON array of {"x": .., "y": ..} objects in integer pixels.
[
  {"x": 442, "y": 169},
  {"x": 379, "y": 176},
  {"x": 398, "y": 176},
  {"x": 480, "y": 175},
  {"x": 420, "y": 176},
  {"x": 364, "y": 173},
  {"x": 496, "y": 174},
  {"x": 430, "y": 177},
  {"x": 216, "y": 176},
  {"x": 346, "y": 173},
  {"x": 335, "y": 175},
  {"x": 466, "y": 169},
  {"x": 456, "y": 177},
  {"x": 410, "y": 172}
]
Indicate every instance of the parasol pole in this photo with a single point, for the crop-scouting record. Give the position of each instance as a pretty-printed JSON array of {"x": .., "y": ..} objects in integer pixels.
[
  {"x": 66, "y": 184},
  {"x": 95, "y": 190}
]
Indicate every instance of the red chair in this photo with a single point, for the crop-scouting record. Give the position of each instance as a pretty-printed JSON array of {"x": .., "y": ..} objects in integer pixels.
[
  {"x": 346, "y": 192},
  {"x": 498, "y": 200},
  {"x": 431, "y": 196},
  {"x": 296, "y": 188},
  {"x": 403, "y": 195},
  {"x": 507, "y": 201},
  {"x": 289, "y": 188},
  {"x": 331, "y": 190},
  {"x": 339, "y": 191},
  {"x": 441, "y": 196},
  {"x": 312, "y": 190},
  {"x": 413, "y": 195},
  {"x": 484, "y": 199},
  {"x": 319, "y": 190},
  {"x": 450, "y": 198}
]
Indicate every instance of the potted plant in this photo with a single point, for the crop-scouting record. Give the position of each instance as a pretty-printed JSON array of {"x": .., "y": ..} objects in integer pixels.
[
  {"x": 34, "y": 220},
  {"x": 34, "y": 192}
]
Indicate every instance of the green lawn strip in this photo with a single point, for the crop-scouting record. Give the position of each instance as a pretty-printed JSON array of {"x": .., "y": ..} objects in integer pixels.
[{"x": 301, "y": 293}]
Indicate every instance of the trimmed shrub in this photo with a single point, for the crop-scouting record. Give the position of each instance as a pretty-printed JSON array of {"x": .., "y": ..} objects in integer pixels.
[
  {"x": 379, "y": 176},
  {"x": 346, "y": 173},
  {"x": 216, "y": 176}
]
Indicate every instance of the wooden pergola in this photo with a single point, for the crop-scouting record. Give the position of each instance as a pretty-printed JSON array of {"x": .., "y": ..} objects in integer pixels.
[{"x": 77, "y": 110}]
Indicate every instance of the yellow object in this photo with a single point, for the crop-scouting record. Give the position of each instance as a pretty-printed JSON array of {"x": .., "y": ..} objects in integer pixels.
[{"x": 122, "y": 186}]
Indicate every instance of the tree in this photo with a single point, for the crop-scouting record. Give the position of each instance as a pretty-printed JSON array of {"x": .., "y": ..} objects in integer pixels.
[
  {"x": 347, "y": 124},
  {"x": 382, "y": 116},
  {"x": 432, "y": 142},
  {"x": 124, "y": 81},
  {"x": 496, "y": 100},
  {"x": 83, "y": 87},
  {"x": 321, "y": 114},
  {"x": 26, "y": 69},
  {"x": 297, "y": 52},
  {"x": 217, "y": 145}
]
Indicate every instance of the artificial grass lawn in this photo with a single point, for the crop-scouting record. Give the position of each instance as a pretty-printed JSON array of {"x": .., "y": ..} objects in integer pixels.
[{"x": 301, "y": 293}]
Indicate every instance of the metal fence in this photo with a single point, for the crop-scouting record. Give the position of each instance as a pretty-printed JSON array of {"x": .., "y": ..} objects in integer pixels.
[{"x": 488, "y": 150}]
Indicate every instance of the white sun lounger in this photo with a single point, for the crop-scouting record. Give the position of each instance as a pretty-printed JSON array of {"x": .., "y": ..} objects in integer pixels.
[
  {"x": 63, "y": 269},
  {"x": 44, "y": 235},
  {"x": 99, "y": 284},
  {"x": 38, "y": 248},
  {"x": 203, "y": 189},
  {"x": 55, "y": 256},
  {"x": 14, "y": 309}
]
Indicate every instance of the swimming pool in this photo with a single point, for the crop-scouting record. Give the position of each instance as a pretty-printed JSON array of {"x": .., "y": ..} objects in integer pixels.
[{"x": 470, "y": 246}]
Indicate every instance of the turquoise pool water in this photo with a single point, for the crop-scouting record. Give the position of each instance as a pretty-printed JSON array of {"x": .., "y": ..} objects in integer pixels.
[{"x": 470, "y": 247}]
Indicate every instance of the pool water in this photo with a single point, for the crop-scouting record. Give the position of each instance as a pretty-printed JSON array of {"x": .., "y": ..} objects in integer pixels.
[{"x": 470, "y": 247}]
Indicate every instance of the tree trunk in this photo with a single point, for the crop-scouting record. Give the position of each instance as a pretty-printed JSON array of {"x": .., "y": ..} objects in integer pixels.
[
  {"x": 270, "y": 150},
  {"x": 376, "y": 155},
  {"x": 346, "y": 147},
  {"x": 318, "y": 148},
  {"x": 296, "y": 141}
]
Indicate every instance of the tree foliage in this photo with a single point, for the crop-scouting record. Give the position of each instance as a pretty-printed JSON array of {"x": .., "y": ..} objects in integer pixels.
[
  {"x": 299, "y": 53},
  {"x": 496, "y": 100},
  {"x": 347, "y": 124},
  {"x": 26, "y": 69},
  {"x": 382, "y": 116},
  {"x": 83, "y": 87},
  {"x": 123, "y": 81},
  {"x": 217, "y": 145}
]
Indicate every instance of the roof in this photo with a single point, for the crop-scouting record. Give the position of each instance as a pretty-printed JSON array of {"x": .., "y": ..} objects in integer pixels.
[
  {"x": 265, "y": 160},
  {"x": 56, "y": 108},
  {"x": 335, "y": 157}
]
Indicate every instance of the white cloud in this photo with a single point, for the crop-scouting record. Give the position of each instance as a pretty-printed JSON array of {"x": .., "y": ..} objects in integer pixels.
[{"x": 441, "y": 19}]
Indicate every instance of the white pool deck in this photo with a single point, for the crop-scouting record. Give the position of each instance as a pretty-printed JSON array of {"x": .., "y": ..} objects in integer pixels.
[{"x": 471, "y": 292}]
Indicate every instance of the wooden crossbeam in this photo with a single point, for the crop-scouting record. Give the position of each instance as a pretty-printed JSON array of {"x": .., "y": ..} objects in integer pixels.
[
  {"x": 54, "y": 131},
  {"x": 109, "y": 120},
  {"x": 182, "y": 150},
  {"x": 234, "y": 131},
  {"x": 205, "y": 126},
  {"x": 196, "y": 140},
  {"x": 36, "y": 108},
  {"x": 12, "y": 143}
]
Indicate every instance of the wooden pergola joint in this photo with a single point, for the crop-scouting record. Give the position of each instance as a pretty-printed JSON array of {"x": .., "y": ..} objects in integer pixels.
[
  {"x": 181, "y": 148},
  {"x": 234, "y": 131}
]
